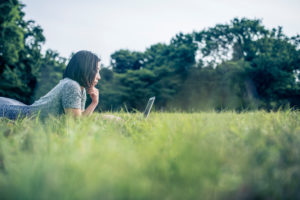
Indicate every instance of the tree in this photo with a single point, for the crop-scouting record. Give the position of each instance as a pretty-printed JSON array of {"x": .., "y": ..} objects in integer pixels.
[
  {"x": 179, "y": 55},
  {"x": 50, "y": 73},
  {"x": 20, "y": 52},
  {"x": 124, "y": 60},
  {"x": 273, "y": 57},
  {"x": 273, "y": 68},
  {"x": 12, "y": 34},
  {"x": 231, "y": 41}
]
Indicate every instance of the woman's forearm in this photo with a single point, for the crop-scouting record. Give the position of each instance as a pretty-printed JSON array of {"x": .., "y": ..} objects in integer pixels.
[{"x": 90, "y": 109}]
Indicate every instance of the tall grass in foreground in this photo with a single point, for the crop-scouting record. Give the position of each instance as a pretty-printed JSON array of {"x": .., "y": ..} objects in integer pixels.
[{"x": 168, "y": 156}]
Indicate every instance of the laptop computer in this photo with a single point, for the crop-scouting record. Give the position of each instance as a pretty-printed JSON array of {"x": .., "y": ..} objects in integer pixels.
[{"x": 149, "y": 106}]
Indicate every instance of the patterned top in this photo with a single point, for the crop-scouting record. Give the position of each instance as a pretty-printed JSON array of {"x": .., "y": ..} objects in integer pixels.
[{"x": 66, "y": 94}]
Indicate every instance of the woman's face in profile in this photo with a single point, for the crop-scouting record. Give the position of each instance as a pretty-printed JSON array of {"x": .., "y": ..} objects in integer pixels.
[{"x": 97, "y": 77}]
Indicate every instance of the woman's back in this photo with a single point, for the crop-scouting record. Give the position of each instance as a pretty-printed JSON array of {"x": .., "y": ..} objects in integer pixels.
[
  {"x": 66, "y": 94},
  {"x": 8, "y": 101}
]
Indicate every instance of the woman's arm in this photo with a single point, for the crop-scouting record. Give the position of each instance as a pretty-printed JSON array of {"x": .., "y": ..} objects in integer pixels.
[
  {"x": 94, "y": 94},
  {"x": 90, "y": 109},
  {"x": 78, "y": 112}
]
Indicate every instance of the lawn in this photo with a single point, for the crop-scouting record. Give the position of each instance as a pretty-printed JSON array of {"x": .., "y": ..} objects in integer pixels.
[{"x": 207, "y": 155}]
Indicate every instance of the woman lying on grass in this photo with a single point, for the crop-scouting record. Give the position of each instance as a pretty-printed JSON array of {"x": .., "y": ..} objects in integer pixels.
[{"x": 68, "y": 96}]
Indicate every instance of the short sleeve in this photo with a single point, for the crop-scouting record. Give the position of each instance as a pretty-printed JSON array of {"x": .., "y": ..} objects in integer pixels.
[
  {"x": 83, "y": 100},
  {"x": 71, "y": 96}
]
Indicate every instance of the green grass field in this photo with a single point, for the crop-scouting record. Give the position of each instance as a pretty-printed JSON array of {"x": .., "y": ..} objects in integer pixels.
[{"x": 168, "y": 156}]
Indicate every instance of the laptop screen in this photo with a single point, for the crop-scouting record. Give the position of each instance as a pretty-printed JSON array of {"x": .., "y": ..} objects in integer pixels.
[{"x": 149, "y": 106}]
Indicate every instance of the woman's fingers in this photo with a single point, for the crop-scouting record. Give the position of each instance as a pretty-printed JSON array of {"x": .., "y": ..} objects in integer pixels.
[
  {"x": 92, "y": 90},
  {"x": 94, "y": 93}
]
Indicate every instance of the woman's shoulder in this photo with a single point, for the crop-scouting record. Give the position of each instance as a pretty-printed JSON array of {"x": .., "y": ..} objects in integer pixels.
[
  {"x": 69, "y": 83},
  {"x": 72, "y": 87}
]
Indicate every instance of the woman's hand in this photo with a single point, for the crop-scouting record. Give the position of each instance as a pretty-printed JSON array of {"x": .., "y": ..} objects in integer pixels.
[{"x": 94, "y": 94}]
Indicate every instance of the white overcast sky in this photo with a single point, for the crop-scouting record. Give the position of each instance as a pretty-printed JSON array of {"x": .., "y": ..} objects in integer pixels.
[{"x": 104, "y": 26}]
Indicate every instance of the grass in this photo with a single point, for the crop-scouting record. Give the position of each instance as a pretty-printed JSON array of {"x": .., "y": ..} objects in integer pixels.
[{"x": 168, "y": 156}]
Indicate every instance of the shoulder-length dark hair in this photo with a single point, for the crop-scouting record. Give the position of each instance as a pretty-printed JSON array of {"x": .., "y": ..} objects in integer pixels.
[{"x": 82, "y": 68}]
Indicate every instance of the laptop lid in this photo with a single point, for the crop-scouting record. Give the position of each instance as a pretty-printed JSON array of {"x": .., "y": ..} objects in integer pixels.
[{"x": 149, "y": 106}]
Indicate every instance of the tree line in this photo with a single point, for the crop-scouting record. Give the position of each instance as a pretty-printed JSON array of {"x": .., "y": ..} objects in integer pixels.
[{"x": 239, "y": 65}]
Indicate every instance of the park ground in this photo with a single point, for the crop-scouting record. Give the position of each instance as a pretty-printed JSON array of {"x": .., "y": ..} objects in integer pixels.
[{"x": 209, "y": 155}]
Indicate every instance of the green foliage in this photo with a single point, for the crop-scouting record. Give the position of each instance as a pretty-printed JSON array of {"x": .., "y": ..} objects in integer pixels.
[
  {"x": 25, "y": 73},
  {"x": 50, "y": 72},
  {"x": 12, "y": 34},
  {"x": 241, "y": 65},
  {"x": 226, "y": 155},
  {"x": 124, "y": 60},
  {"x": 179, "y": 55},
  {"x": 223, "y": 87},
  {"x": 159, "y": 71},
  {"x": 274, "y": 58},
  {"x": 132, "y": 89},
  {"x": 20, "y": 52},
  {"x": 273, "y": 69},
  {"x": 238, "y": 37}
]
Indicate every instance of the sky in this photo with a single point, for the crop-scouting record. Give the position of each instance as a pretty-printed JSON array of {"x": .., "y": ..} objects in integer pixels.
[{"x": 105, "y": 26}]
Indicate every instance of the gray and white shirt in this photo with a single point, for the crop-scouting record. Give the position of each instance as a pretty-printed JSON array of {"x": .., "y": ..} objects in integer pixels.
[{"x": 66, "y": 94}]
